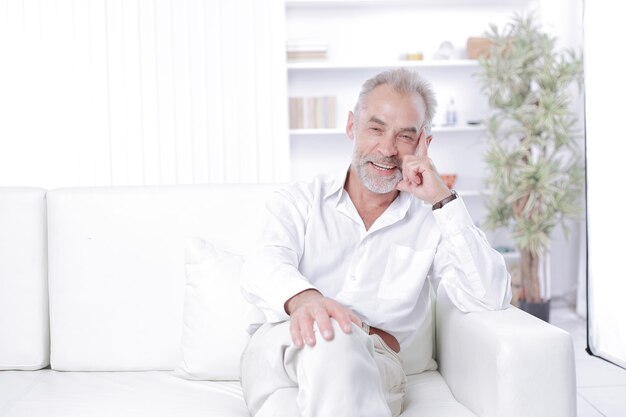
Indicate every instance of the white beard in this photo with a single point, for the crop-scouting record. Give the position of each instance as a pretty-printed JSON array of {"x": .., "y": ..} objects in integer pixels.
[{"x": 375, "y": 183}]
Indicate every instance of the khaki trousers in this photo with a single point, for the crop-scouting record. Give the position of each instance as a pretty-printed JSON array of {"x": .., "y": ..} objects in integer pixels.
[{"x": 352, "y": 375}]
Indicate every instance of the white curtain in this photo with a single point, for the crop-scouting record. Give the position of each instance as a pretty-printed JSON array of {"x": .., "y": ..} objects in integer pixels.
[
  {"x": 606, "y": 147},
  {"x": 134, "y": 92}
]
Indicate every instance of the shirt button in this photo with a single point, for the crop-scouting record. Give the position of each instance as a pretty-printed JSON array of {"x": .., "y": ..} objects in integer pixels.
[{"x": 353, "y": 277}]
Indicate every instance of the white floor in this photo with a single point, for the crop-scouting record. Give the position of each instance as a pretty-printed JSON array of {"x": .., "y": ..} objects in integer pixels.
[{"x": 601, "y": 385}]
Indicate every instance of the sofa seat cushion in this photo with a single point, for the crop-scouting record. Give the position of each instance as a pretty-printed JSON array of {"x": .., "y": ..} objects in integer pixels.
[{"x": 161, "y": 393}]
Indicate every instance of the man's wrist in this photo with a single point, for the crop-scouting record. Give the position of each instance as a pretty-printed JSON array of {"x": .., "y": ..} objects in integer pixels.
[
  {"x": 295, "y": 301},
  {"x": 440, "y": 203}
]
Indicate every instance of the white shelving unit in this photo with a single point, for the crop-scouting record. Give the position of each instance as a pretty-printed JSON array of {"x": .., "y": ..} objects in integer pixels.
[{"x": 365, "y": 37}]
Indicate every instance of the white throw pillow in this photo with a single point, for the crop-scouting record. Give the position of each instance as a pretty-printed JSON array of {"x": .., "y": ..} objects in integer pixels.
[
  {"x": 214, "y": 324},
  {"x": 418, "y": 356}
]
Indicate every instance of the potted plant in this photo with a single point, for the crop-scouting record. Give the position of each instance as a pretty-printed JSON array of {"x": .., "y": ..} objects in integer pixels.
[{"x": 535, "y": 169}]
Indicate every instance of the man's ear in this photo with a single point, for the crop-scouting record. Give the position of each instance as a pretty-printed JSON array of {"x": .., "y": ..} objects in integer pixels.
[{"x": 350, "y": 125}]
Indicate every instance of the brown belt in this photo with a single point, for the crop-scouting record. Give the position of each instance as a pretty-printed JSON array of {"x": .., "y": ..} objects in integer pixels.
[{"x": 390, "y": 340}]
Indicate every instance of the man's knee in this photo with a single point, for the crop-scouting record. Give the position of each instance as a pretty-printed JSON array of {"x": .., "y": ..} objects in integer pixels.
[
  {"x": 356, "y": 335},
  {"x": 341, "y": 347}
]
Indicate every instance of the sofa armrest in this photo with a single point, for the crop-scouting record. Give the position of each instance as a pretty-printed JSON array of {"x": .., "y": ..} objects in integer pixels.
[{"x": 505, "y": 363}]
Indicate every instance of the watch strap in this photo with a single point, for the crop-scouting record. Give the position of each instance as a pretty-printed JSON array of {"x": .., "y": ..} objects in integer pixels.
[{"x": 446, "y": 200}]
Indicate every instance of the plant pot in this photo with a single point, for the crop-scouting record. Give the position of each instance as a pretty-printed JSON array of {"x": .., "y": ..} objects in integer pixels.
[{"x": 539, "y": 310}]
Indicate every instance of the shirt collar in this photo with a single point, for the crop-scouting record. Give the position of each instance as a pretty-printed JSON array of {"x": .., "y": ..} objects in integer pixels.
[
  {"x": 336, "y": 187},
  {"x": 395, "y": 212},
  {"x": 400, "y": 206}
]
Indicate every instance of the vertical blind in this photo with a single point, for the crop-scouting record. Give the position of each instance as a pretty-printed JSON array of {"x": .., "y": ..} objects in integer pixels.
[{"x": 142, "y": 92}]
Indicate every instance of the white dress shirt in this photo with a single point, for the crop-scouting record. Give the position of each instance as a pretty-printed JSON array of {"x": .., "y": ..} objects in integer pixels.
[{"x": 314, "y": 238}]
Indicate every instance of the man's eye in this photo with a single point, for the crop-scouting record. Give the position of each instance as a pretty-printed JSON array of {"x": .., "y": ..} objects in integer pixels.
[
  {"x": 407, "y": 138},
  {"x": 376, "y": 129}
]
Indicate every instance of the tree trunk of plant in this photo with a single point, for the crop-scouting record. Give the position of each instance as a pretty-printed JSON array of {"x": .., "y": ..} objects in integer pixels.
[
  {"x": 529, "y": 260},
  {"x": 529, "y": 270}
]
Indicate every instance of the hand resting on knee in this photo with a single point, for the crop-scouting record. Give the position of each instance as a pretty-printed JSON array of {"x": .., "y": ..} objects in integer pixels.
[{"x": 309, "y": 307}]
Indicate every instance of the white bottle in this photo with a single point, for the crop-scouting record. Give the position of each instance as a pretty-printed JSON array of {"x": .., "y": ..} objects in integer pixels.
[{"x": 451, "y": 113}]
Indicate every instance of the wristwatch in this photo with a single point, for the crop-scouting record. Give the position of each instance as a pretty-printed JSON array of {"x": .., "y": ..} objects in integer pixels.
[{"x": 446, "y": 200}]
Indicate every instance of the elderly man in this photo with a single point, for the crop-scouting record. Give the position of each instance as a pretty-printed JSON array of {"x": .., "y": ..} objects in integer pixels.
[{"x": 342, "y": 276}]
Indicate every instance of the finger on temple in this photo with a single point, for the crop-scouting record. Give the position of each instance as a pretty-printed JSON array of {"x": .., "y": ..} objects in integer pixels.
[{"x": 422, "y": 144}]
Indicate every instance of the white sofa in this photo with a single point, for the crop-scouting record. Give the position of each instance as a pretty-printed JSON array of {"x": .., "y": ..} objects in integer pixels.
[{"x": 104, "y": 312}]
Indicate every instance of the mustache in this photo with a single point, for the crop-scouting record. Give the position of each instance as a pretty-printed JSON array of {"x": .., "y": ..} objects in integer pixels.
[{"x": 383, "y": 160}]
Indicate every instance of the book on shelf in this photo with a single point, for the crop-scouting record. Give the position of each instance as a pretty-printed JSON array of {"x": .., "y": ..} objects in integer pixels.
[
  {"x": 312, "y": 112},
  {"x": 304, "y": 56},
  {"x": 306, "y": 51}
]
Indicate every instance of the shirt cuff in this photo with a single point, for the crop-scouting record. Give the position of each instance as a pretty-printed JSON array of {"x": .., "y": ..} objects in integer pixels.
[
  {"x": 453, "y": 218},
  {"x": 286, "y": 287}
]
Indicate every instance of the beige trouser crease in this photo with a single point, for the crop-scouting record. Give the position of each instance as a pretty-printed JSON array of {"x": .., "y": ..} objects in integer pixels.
[{"x": 352, "y": 375}]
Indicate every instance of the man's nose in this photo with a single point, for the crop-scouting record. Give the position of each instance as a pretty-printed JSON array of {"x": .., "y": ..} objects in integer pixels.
[{"x": 388, "y": 145}]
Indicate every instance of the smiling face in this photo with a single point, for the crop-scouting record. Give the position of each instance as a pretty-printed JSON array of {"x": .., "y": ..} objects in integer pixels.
[{"x": 385, "y": 129}]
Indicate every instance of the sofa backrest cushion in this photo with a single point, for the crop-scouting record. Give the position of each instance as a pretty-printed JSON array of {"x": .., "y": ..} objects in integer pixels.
[
  {"x": 117, "y": 267},
  {"x": 24, "y": 336},
  {"x": 118, "y": 284}
]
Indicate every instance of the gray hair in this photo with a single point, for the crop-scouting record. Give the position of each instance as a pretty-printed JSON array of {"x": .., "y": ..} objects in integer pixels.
[{"x": 402, "y": 81}]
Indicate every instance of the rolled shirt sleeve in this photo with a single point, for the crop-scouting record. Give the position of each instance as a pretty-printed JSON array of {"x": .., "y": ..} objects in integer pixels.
[{"x": 472, "y": 273}]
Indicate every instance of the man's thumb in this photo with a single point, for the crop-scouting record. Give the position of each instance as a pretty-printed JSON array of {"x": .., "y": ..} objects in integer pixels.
[{"x": 403, "y": 185}]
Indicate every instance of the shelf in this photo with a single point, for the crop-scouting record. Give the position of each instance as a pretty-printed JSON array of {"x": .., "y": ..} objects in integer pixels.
[
  {"x": 459, "y": 129},
  {"x": 330, "y": 65},
  {"x": 342, "y": 131},
  {"x": 387, "y": 3},
  {"x": 471, "y": 193}
]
